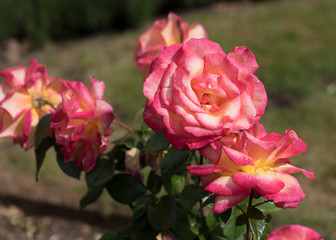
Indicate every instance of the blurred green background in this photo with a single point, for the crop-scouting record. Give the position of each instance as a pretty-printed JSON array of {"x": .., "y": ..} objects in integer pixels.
[{"x": 295, "y": 46}]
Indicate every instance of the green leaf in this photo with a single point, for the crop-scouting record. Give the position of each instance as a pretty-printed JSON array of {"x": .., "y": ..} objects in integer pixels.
[
  {"x": 191, "y": 195},
  {"x": 231, "y": 231},
  {"x": 111, "y": 235},
  {"x": 157, "y": 143},
  {"x": 40, "y": 152},
  {"x": 162, "y": 215},
  {"x": 91, "y": 196},
  {"x": 267, "y": 206},
  {"x": 124, "y": 188},
  {"x": 173, "y": 161},
  {"x": 69, "y": 168},
  {"x": 154, "y": 182},
  {"x": 209, "y": 200},
  {"x": 217, "y": 233},
  {"x": 101, "y": 173},
  {"x": 42, "y": 129},
  {"x": 141, "y": 205},
  {"x": 186, "y": 226},
  {"x": 42, "y": 142},
  {"x": 266, "y": 232},
  {"x": 143, "y": 232},
  {"x": 254, "y": 213},
  {"x": 257, "y": 227},
  {"x": 225, "y": 216},
  {"x": 184, "y": 231},
  {"x": 173, "y": 184},
  {"x": 241, "y": 220},
  {"x": 211, "y": 221},
  {"x": 268, "y": 218},
  {"x": 119, "y": 156}
]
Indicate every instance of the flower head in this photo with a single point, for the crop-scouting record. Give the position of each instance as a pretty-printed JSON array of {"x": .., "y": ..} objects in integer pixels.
[
  {"x": 164, "y": 33},
  {"x": 82, "y": 123},
  {"x": 243, "y": 162},
  {"x": 293, "y": 232},
  {"x": 26, "y": 96},
  {"x": 195, "y": 93}
]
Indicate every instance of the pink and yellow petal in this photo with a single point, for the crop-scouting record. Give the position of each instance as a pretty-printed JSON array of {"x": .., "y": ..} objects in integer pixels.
[
  {"x": 245, "y": 56},
  {"x": 267, "y": 182},
  {"x": 220, "y": 184},
  {"x": 289, "y": 196},
  {"x": 223, "y": 203}
]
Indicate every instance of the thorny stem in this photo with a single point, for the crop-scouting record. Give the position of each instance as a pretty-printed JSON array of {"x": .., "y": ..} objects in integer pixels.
[
  {"x": 248, "y": 229},
  {"x": 242, "y": 210},
  {"x": 258, "y": 204},
  {"x": 127, "y": 128},
  {"x": 201, "y": 160}
]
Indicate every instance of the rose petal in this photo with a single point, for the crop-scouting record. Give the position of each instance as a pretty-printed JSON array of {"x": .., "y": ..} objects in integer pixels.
[
  {"x": 267, "y": 182},
  {"x": 223, "y": 203},
  {"x": 289, "y": 196},
  {"x": 244, "y": 55},
  {"x": 293, "y": 232}
]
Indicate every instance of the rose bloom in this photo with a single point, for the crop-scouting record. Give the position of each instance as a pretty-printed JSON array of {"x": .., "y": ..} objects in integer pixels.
[
  {"x": 195, "y": 93},
  {"x": 243, "y": 162},
  {"x": 164, "y": 33},
  {"x": 294, "y": 232},
  {"x": 82, "y": 123},
  {"x": 26, "y": 96}
]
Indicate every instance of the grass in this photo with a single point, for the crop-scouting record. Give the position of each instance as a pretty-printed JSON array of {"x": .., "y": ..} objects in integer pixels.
[{"x": 294, "y": 44}]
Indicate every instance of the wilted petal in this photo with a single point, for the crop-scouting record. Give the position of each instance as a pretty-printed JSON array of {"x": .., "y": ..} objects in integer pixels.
[{"x": 132, "y": 163}]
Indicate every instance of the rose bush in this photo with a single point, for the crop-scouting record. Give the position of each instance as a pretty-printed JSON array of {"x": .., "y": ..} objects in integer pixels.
[
  {"x": 198, "y": 97},
  {"x": 195, "y": 93},
  {"x": 164, "y": 33},
  {"x": 26, "y": 96},
  {"x": 243, "y": 162},
  {"x": 82, "y": 123},
  {"x": 294, "y": 232}
]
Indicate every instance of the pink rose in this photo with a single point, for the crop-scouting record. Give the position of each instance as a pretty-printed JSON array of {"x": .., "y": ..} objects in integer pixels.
[
  {"x": 252, "y": 161},
  {"x": 164, "y": 33},
  {"x": 26, "y": 96},
  {"x": 196, "y": 93},
  {"x": 294, "y": 232},
  {"x": 82, "y": 123}
]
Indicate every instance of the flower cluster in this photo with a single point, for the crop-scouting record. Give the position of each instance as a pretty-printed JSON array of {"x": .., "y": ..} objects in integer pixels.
[
  {"x": 202, "y": 98},
  {"x": 80, "y": 119}
]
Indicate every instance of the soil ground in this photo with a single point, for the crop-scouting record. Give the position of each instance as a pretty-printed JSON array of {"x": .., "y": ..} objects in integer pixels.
[{"x": 47, "y": 209}]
